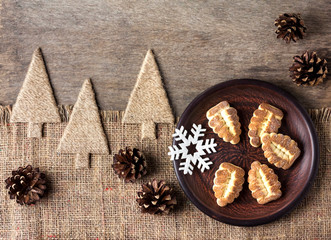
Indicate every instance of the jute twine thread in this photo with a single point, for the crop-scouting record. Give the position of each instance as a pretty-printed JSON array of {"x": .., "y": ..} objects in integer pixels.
[
  {"x": 148, "y": 103},
  {"x": 35, "y": 102},
  {"x": 84, "y": 133}
]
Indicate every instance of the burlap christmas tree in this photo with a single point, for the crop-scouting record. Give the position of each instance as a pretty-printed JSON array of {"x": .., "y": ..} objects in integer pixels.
[
  {"x": 84, "y": 133},
  {"x": 148, "y": 103},
  {"x": 35, "y": 103}
]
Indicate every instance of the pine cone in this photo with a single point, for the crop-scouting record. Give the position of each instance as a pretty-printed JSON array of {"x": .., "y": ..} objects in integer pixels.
[
  {"x": 129, "y": 164},
  {"x": 156, "y": 198},
  {"x": 290, "y": 27},
  {"x": 27, "y": 185},
  {"x": 308, "y": 69}
]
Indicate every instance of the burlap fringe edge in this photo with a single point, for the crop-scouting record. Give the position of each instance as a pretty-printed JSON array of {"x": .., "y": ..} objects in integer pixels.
[
  {"x": 5, "y": 112},
  {"x": 106, "y": 115},
  {"x": 320, "y": 115},
  {"x": 65, "y": 112}
]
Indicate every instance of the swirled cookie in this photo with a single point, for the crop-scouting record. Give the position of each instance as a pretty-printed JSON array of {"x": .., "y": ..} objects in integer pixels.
[
  {"x": 263, "y": 183},
  {"x": 280, "y": 149},
  {"x": 224, "y": 121},
  {"x": 228, "y": 183},
  {"x": 266, "y": 119}
]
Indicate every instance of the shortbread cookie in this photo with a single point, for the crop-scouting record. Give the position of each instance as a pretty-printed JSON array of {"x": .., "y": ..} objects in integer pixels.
[
  {"x": 224, "y": 121},
  {"x": 266, "y": 119},
  {"x": 280, "y": 149},
  {"x": 263, "y": 183},
  {"x": 228, "y": 183}
]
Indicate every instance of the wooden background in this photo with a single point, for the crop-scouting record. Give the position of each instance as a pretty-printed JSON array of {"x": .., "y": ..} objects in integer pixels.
[{"x": 197, "y": 44}]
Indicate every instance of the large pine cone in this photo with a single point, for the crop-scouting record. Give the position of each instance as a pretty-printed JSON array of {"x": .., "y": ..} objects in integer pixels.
[
  {"x": 308, "y": 69},
  {"x": 27, "y": 185},
  {"x": 290, "y": 27},
  {"x": 156, "y": 198},
  {"x": 129, "y": 164}
]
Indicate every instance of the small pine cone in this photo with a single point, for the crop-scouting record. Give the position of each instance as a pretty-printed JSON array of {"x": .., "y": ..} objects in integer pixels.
[
  {"x": 308, "y": 69},
  {"x": 27, "y": 185},
  {"x": 156, "y": 198},
  {"x": 129, "y": 164},
  {"x": 290, "y": 27}
]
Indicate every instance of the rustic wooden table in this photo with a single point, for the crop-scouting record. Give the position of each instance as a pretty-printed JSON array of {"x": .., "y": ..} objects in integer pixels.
[{"x": 197, "y": 44}]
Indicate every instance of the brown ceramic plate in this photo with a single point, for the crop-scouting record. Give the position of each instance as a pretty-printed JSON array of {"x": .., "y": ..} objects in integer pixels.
[{"x": 246, "y": 95}]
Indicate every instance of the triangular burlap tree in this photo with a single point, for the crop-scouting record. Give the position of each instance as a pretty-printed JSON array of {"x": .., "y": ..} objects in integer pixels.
[
  {"x": 35, "y": 102},
  {"x": 148, "y": 103},
  {"x": 84, "y": 133}
]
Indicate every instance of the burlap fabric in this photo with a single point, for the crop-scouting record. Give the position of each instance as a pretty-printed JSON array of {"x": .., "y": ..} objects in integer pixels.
[{"x": 95, "y": 204}]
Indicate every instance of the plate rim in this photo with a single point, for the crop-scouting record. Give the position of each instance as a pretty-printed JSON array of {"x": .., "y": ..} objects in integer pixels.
[{"x": 312, "y": 173}]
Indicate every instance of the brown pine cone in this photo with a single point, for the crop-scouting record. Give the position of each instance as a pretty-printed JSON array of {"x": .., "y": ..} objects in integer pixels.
[
  {"x": 129, "y": 164},
  {"x": 27, "y": 185},
  {"x": 290, "y": 27},
  {"x": 308, "y": 69},
  {"x": 156, "y": 198}
]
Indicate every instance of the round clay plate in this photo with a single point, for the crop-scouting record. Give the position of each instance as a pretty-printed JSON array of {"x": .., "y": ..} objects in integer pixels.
[{"x": 245, "y": 96}]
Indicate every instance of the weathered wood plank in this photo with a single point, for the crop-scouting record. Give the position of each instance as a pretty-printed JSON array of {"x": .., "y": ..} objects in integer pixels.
[{"x": 197, "y": 44}]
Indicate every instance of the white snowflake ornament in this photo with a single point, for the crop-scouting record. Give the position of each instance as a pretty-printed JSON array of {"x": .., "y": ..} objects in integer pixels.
[{"x": 201, "y": 149}]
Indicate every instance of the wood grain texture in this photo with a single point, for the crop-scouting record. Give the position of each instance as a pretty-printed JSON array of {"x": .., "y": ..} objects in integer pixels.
[
  {"x": 245, "y": 96},
  {"x": 197, "y": 45}
]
